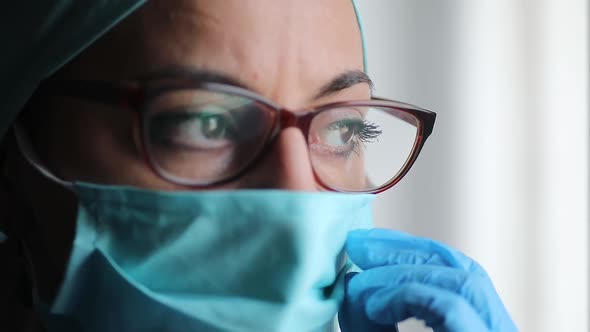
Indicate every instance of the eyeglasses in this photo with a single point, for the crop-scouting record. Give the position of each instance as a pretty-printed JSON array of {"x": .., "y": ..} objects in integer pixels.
[{"x": 200, "y": 134}]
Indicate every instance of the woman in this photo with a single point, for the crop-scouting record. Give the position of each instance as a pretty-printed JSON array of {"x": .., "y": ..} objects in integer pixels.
[{"x": 200, "y": 167}]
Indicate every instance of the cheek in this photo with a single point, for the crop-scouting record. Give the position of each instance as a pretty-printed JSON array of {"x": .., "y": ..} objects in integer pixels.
[{"x": 344, "y": 173}]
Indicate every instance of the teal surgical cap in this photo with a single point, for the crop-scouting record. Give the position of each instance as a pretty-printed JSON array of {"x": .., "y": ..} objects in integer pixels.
[{"x": 38, "y": 39}]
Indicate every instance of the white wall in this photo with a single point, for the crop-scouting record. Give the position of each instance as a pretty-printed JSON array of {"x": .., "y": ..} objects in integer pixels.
[{"x": 504, "y": 177}]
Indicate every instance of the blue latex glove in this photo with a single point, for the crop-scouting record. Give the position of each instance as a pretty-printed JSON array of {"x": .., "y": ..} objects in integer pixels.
[{"x": 405, "y": 276}]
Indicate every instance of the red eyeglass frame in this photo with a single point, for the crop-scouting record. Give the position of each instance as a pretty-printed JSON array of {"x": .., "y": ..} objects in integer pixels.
[{"x": 137, "y": 95}]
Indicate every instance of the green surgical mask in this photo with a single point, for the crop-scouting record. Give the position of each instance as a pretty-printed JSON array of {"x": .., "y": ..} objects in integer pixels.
[{"x": 260, "y": 260}]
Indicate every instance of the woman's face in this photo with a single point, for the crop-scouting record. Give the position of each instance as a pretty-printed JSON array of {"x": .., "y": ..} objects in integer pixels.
[{"x": 286, "y": 51}]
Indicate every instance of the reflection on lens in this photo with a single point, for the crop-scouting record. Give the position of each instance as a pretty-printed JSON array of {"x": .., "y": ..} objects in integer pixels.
[
  {"x": 360, "y": 148},
  {"x": 200, "y": 137}
]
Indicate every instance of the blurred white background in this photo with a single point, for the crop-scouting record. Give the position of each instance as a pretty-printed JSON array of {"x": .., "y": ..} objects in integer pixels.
[{"x": 504, "y": 177}]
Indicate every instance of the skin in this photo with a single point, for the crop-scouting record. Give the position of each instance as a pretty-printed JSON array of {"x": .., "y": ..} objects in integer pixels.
[{"x": 286, "y": 51}]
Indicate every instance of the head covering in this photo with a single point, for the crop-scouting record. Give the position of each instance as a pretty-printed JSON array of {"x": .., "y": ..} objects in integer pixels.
[{"x": 39, "y": 39}]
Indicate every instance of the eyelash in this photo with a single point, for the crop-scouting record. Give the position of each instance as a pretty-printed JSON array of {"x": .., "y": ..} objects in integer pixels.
[{"x": 368, "y": 131}]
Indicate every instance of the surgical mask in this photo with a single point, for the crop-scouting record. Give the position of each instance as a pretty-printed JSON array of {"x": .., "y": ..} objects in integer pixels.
[{"x": 245, "y": 260}]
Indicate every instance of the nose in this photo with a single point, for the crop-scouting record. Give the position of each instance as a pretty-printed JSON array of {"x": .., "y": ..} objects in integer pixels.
[{"x": 285, "y": 166}]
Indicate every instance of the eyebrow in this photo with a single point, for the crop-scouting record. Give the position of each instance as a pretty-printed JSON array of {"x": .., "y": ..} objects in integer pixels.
[
  {"x": 344, "y": 81},
  {"x": 341, "y": 82}
]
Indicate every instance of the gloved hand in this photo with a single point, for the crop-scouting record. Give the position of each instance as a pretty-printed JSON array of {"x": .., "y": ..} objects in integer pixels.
[{"x": 405, "y": 276}]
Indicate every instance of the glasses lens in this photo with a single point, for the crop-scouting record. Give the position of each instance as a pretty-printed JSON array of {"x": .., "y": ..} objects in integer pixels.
[
  {"x": 361, "y": 148},
  {"x": 198, "y": 136}
]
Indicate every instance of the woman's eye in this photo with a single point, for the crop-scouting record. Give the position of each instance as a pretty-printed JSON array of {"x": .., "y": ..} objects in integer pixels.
[
  {"x": 339, "y": 133},
  {"x": 212, "y": 126},
  {"x": 343, "y": 137},
  {"x": 192, "y": 130}
]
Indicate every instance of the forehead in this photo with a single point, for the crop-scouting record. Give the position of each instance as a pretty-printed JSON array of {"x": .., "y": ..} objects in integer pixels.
[{"x": 272, "y": 45}]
